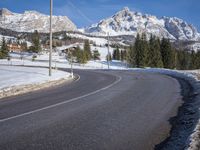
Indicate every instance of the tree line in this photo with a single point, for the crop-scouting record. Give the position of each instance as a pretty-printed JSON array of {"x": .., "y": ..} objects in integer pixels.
[
  {"x": 154, "y": 53},
  {"x": 158, "y": 53},
  {"x": 119, "y": 54}
]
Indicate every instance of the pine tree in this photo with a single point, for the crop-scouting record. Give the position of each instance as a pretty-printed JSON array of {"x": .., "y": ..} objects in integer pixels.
[
  {"x": 4, "y": 49},
  {"x": 80, "y": 55},
  {"x": 168, "y": 55},
  {"x": 77, "y": 54},
  {"x": 122, "y": 55},
  {"x": 126, "y": 55},
  {"x": 130, "y": 56},
  {"x": 154, "y": 58},
  {"x": 83, "y": 57},
  {"x": 87, "y": 50},
  {"x": 36, "y": 47},
  {"x": 193, "y": 62},
  {"x": 197, "y": 60},
  {"x": 137, "y": 51},
  {"x": 116, "y": 54},
  {"x": 140, "y": 51},
  {"x": 183, "y": 60},
  {"x": 150, "y": 52},
  {"x": 96, "y": 55},
  {"x": 144, "y": 50}
]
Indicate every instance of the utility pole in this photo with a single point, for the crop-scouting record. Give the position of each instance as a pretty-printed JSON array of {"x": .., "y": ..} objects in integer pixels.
[
  {"x": 71, "y": 59},
  {"x": 51, "y": 36},
  {"x": 108, "y": 59}
]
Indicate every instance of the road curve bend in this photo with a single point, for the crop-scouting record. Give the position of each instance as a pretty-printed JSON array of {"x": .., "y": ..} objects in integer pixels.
[{"x": 104, "y": 110}]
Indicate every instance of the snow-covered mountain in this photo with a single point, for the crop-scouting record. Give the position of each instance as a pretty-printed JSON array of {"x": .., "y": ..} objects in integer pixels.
[
  {"x": 33, "y": 20},
  {"x": 126, "y": 22}
]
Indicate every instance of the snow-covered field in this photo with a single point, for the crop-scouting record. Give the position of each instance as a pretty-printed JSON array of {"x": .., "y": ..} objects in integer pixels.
[
  {"x": 61, "y": 62},
  {"x": 57, "y": 64}
]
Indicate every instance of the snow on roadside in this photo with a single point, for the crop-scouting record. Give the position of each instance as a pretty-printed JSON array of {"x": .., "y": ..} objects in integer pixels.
[
  {"x": 13, "y": 77},
  {"x": 194, "y": 140}
]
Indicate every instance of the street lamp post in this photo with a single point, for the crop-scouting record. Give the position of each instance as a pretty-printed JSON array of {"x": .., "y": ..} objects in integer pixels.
[{"x": 51, "y": 36}]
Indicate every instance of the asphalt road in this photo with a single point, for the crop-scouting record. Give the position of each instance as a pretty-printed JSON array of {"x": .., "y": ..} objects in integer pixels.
[{"x": 115, "y": 110}]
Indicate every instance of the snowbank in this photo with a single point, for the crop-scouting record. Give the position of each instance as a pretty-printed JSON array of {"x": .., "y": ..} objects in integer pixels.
[{"x": 15, "y": 78}]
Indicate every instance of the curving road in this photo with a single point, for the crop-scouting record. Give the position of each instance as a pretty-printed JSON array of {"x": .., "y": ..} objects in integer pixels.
[{"x": 103, "y": 110}]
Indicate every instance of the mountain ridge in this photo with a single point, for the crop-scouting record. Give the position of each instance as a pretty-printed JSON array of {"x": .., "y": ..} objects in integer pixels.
[
  {"x": 30, "y": 21},
  {"x": 126, "y": 22}
]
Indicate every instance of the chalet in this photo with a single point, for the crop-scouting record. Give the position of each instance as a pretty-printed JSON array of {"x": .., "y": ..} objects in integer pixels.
[
  {"x": 14, "y": 47},
  {"x": 67, "y": 48}
]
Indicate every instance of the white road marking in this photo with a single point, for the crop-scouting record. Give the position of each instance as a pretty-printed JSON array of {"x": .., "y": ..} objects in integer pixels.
[{"x": 65, "y": 102}]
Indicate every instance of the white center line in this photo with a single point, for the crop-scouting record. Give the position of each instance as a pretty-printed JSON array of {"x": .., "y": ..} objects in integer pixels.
[{"x": 61, "y": 103}]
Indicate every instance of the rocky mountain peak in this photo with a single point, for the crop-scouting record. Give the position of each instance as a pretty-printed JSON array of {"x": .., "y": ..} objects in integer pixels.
[
  {"x": 125, "y": 10},
  {"x": 5, "y": 11},
  {"x": 30, "y": 21},
  {"x": 123, "y": 13},
  {"x": 126, "y": 22}
]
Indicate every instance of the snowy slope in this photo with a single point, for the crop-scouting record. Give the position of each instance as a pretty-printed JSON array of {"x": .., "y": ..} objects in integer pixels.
[
  {"x": 33, "y": 20},
  {"x": 126, "y": 22},
  {"x": 96, "y": 40}
]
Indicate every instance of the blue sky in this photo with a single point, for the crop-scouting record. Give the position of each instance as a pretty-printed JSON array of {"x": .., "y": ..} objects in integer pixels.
[{"x": 86, "y": 12}]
